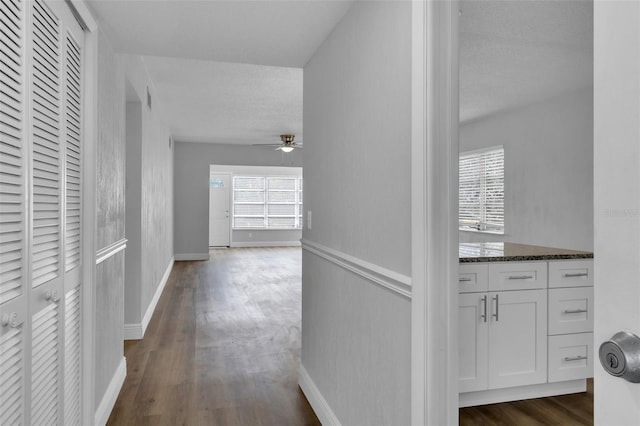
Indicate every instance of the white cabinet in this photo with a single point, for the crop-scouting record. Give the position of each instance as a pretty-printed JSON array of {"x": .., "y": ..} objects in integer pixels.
[
  {"x": 517, "y": 338},
  {"x": 473, "y": 346},
  {"x": 570, "y": 316},
  {"x": 521, "y": 333},
  {"x": 502, "y": 339}
]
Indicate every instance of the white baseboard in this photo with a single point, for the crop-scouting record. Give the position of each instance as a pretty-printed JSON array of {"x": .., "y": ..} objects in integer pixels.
[
  {"x": 191, "y": 256},
  {"x": 136, "y": 331},
  {"x": 133, "y": 332},
  {"x": 241, "y": 244},
  {"x": 470, "y": 399},
  {"x": 111, "y": 394},
  {"x": 318, "y": 403}
]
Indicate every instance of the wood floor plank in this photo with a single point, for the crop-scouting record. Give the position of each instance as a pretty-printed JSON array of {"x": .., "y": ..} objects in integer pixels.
[
  {"x": 564, "y": 410},
  {"x": 223, "y": 347}
]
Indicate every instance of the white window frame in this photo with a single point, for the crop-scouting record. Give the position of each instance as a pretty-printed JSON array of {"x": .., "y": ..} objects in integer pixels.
[
  {"x": 297, "y": 203},
  {"x": 480, "y": 221}
]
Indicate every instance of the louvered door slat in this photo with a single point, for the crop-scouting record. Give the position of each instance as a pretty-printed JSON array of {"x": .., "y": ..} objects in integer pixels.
[
  {"x": 44, "y": 367},
  {"x": 12, "y": 374},
  {"x": 72, "y": 166},
  {"x": 12, "y": 180},
  {"x": 72, "y": 358},
  {"x": 46, "y": 144}
]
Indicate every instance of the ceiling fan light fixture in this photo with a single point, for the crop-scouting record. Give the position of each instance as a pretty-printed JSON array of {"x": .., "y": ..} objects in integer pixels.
[{"x": 286, "y": 148}]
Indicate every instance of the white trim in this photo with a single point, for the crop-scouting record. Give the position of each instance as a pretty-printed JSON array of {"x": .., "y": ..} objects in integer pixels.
[
  {"x": 136, "y": 331},
  {"x": 191, "y": 256},
  {"x": 111, "y": 394},
  {"x": 266, "y": 244},
  {"x": 82, "y": 12},
  {"x": 88, "y": 232},
  {"x": 320, "y": 405},
  {"x": 543, "y": 390},
  {"x": 386, "y": 278},
  {"x": 133, "y": 332},
  {"x": 109, "y": 251},
  {"x": 434, "y": 218}
]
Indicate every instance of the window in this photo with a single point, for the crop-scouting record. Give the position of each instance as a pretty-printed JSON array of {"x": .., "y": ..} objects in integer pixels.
[
  {"x": 273, "y": 202},
  {"x": 481, "y": 202}
]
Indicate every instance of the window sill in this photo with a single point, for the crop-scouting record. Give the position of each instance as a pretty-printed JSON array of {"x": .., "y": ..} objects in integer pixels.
[
  {"x": 266, "y": 229},
  {"x": 475, "y": 231}
]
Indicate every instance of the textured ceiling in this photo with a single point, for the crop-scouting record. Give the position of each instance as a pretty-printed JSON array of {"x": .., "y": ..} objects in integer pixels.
[
  {"x": 224, "y": 71},
  {"x": 230, "y": 71},
  {"x": 514, "y": 53},
  {"x": 221, "y": 102},
  {"x": 282, "y": 33}
]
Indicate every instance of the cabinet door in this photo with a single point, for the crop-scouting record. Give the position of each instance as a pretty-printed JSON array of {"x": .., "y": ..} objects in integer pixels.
[
  {"x": 472, "y": 346},
  {"x": 517, "y": 338}
]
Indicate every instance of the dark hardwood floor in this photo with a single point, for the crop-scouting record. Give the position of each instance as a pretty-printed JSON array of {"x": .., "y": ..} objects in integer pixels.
[
  {"x": 223, "y": 346},
  {"x": 565, "y": 410}
]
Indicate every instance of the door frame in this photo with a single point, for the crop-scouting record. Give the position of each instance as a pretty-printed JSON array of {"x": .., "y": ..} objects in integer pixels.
[
  {"x": 212, "y": 171},
  {"x": 88, "y": 224},
  {"x": 434, "y": 207}
]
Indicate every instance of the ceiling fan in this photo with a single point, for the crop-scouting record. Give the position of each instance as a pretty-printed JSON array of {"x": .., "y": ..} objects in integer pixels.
[{"x": 287, "y": 144}]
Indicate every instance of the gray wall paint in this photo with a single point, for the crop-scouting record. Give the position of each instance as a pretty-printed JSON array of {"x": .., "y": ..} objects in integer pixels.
[
  {"x": 110, "y": 216},
  {"x": 356, "y": 344},
  {"x": 356, "y": 341},
  {"x": 191, "y": 183},
  {"x": 110, "y": 148},
  {"x": 548, "y": 170},
  {"x": 153, "y": 169},
  {"x": 133, "y": 258}
]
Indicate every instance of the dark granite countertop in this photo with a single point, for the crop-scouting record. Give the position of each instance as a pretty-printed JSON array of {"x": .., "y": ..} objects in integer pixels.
[{"x": 502, "y": 252}]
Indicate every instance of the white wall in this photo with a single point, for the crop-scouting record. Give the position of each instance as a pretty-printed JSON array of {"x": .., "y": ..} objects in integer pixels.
[
  {"x": 617, "y": 198},
  {"x": 548, "y": 170},
  {"x": 261, "y": 238},
  {"x": 110, "y": 218},
  {"x": 357, "y": 109},
  {"x": 191, "y": 184},
  {"x": 149, "y": 199}
]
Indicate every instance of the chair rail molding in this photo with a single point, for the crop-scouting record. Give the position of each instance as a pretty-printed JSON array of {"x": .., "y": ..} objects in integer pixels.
[{"x": 383, "y": 277}]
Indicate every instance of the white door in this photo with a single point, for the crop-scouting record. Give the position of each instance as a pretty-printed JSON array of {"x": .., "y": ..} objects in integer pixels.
[
  {"x": 219, "y": 210},
  {"x": 517, "y": 338},
  {"x": 616, "y": 197},
  {"x": 40, "y": 208}
]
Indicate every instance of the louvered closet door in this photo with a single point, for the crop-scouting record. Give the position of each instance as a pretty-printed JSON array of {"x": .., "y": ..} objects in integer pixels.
[
  {"x": 47, "y": 218},
  {"x": 13, "y": 188},
  {"x": 55, "y": 129},
  {"x": 73, "y": 47}
]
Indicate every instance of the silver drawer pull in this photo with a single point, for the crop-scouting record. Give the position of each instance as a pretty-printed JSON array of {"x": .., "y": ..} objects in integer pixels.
[
  {"x": 575, "y": 311},
  {"x": 579, "y": 274},
  {"x": 464, "y": 280},
  {"x": 521, "y": 277},
  {"x": 575, "y": 358}
]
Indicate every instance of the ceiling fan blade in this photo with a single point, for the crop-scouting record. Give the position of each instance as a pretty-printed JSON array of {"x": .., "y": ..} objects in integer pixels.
[{"x": 267, "y": 144}]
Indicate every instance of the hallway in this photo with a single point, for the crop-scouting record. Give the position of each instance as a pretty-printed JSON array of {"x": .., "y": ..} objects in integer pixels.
[{"x": 223, "y": 345}]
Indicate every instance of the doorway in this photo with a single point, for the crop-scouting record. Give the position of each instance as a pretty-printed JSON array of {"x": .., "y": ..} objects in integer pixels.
[
  {"x": 526, "y": 84},
  {"x": 219, "y": 210}
]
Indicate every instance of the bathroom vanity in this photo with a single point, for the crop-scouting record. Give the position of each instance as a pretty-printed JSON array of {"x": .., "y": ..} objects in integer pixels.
[{"x": 525, "y": 322}]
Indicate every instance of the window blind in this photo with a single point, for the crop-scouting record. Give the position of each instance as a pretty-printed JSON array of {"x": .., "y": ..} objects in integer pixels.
[
  {"x": 267, "y": 202},
  {"x": 481, "y": 190}
]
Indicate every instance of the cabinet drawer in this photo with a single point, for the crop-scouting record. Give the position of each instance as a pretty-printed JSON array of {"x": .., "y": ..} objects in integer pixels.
[
  {"x": 571, "y": 273},
  {"x": 472, "y": 278},
  {"x": 570, "y": 357},
  {"x": 570, "y": 310},
  {"x": 517, "y": 276}
]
